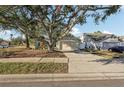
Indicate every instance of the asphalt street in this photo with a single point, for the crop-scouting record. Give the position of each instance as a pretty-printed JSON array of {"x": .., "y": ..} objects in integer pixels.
[{"x": 85, "y": 83}]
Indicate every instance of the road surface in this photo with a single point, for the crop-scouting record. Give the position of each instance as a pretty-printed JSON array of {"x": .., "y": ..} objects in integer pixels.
[{"x": 88, "y": 83}]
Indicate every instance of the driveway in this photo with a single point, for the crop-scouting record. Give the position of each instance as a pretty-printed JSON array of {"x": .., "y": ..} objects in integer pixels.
[{"x": 81, "y": 63}]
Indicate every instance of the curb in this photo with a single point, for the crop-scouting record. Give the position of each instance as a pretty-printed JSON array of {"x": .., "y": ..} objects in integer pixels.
[
  {"x": 58, "y": 77},
  {"x": 36, "y": 59}
]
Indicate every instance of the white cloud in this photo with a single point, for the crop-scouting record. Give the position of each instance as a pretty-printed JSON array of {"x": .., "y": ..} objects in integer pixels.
[
  {"x": 122, "y": 7},
  {"x": 5, "y": 34},
  {"x": 76, "y": 32},
  {"x": 107, "y": 32}
]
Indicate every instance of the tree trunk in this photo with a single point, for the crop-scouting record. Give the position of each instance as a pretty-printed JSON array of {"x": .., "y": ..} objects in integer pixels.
[
  {"x": 85, "y": 45},
  {"x": 51, "y": 47},
  {"x": 27, "y": 41},
  {"x": 94, "y": 45}
]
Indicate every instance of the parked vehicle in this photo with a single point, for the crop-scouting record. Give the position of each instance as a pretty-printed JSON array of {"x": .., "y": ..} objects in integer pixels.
[
  {"x": 4, "y": 46},
  {"x": 1, "y": 46},
  {"x": 119, "y": 49},
  {"x": 82, "y": 46}
]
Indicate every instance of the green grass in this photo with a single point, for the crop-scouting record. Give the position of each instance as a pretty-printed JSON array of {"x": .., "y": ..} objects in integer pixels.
[
  {"x": 109, "y": 54},
  {"x": 33, "y": 68},
  {"x": 12, "y": 49}
]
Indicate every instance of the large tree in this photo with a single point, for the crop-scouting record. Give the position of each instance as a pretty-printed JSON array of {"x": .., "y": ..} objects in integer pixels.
[
  {"x": 58, "y": 21},
  {"x": 19, "y": 18}
]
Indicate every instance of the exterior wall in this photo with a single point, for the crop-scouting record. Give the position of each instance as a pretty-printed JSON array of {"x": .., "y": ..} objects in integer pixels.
[
  {"x": 4, "y": 43},
  {"x": 67, "y": 45},
  {"x": 107, "y": 45},
  {"x": 71, "y": 45},
  {"x": 102, "y": 45},
  {"x": 121, "y": 43}
]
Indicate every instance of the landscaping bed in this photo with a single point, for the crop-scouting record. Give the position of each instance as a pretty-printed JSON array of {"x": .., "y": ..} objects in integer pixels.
[
  {"x": 33, "y": 68},
  {"x": 21, "y": 53}
]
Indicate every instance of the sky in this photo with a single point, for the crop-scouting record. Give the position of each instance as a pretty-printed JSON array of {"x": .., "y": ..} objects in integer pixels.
[
  {"x": 113, "y": 25},
  {"x": 6, "y": 34}
]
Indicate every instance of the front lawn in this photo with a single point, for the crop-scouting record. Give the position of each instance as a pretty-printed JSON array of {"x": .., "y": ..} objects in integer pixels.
[
  {"x": 22, "y": 52},
  {"x": 108, "y": 54},
  {"x": 33, "y": 68}
]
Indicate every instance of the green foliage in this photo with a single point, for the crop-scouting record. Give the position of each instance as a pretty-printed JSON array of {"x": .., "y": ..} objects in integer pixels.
[
  {"x": 53, "y": 21},
  {"x": 17, "y": 41},
  {"x": 1, "y": 39},
  {"x": 98, "y": 36}
]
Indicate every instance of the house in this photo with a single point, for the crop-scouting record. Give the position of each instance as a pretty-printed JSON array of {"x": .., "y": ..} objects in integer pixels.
[
  {"x": 4, "y": 44},
  {"x": 68, "y": 43},
  {"x": 122, "y": 40},
  {"x": 106, "y": 41},
  {"x": 110, "y": 42}
]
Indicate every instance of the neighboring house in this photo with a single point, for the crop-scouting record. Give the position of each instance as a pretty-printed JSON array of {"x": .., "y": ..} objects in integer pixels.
[
  {"x": 68, "y": 43},
  {"x": 108, "y": 41},
  {"x": 4, "y": 44},
  {"x": 122, "y": 40}
]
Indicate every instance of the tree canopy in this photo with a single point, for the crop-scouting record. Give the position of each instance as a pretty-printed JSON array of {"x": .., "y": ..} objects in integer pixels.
[
  {"x": 96, "y": 37},
  {"x": 52, "y": 21},
  {"x": 99, "y": 36}
]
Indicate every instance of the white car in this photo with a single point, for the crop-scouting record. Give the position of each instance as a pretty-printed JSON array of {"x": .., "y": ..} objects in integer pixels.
[{"x": 4, "y": 46}]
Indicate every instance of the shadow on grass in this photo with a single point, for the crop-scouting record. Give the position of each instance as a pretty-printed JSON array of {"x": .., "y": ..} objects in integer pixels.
[
  {"x": 110, "y": 61},
  {"x": 81, "y": 52}
]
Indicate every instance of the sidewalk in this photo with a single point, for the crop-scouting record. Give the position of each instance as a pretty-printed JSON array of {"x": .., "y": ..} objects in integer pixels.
[
  {"x": 82, "y": 66},
  {"x": 35, "y": 59},
  {"x": 59, "y": 77}
]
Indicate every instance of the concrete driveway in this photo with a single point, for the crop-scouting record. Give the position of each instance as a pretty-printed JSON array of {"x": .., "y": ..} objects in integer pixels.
[{"x": 81, "y": 63}]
